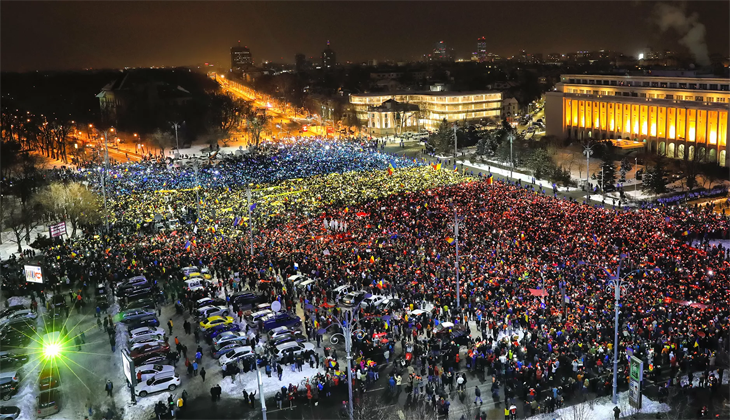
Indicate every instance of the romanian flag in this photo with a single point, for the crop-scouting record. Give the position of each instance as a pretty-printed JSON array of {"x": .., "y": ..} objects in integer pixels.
[
  {"x": 450, "y": 240},
  {"x": 211, "y": 229},
  {"x": 372, "y": 259},
  {"x": 359, "y": 259},
  {"x": 390, "y": 169},
  {"x": 187, "y": 245},
  {"x": 240, "y": 222},
  {"x": 455, "y": 169},
  {"x": 490, "y": 180}
]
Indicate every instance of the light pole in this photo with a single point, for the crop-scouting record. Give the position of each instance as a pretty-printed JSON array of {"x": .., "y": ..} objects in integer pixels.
[
  {"x": 103, "y": 179},
  {"x": 636, "y": 178},
  {"x": 177, "y": 125},
  {"x": 617, "y": 283},
  {"x": 455, "y": 151},
  {"x": 511, "y": 161},
  {"x": 350, "y": 317},
  {"x": 250, "y": 218},
  {"x": 588, "y": 151},
  {"x": 260, "y": 352},
  {"x": 197, "y": 187}
]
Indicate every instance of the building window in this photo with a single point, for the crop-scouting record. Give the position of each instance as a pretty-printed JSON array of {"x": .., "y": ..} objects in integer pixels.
[
  {"x": 689, "y": 98},
  {"x": 720, "y": 99},
  {"x": 673, "y": 85},
  {"x": 683, "y": 85},
  {"x": 703, "y": 86},
  {"x": 654, "y": 84},
  {"x": 627, "y": 93},
  {"x": 613, "y": 83},
  {"x": 693, "y": 85},
  {"x": 617, "y": 94},
  {"x": 699, "y": 98},
  {"x": 663, "y": 84},
  {"x": 668, "y": 96},
  {"x": 645, "y": 84},
  {"x": 725, "y": 87},
  {"x": 642, "y": 95},
  {"x": 713, "y": 87}
]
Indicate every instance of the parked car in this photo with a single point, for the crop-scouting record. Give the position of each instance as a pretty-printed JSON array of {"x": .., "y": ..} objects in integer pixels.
[
  {"x": 150, "y": 370},
  {"x": 253, "y": 318},
  {"x": 132, "y": 315},
  {"x": 49, "y": 378},
  {"x": 138, "y": 293},
  {"x": 142, "y": 332},
  {"x": 282, "y": 320},
  {"x": 187, "y": 270},
  {"x": 13, "y": 360},
  {"x": 214, "y": 332},
  {"x": 235, "y": 354},
  {"x": 372, "y": 301},
  {"x": 280, "y": 331},
  {"x": 8, "y": 387},
  {"x": 286, "y": 338},
  {"x": 49, "y": 402},
  {"x": 228, "y": 336},
  {"x": 143, "y": 303},
  {"x": 162, "y": 382},
  {"x": 9, "y": 412},
  {"x": 207, "y": 301},
  {"x": 353, "y": 298},
  {"x": 142, "y": 354},
  {"x": 18, "y": 315},
  {"x": 14, "y": 339},
  {"x": 245, "y": 300},
  {"x": 147, "y": 321},
  {"x": 215, "y": 320},
  {"x": 211, "y": 311},
  {"x": 10, "y": 310},
  {"x": 146, "y": 341},
  {"x": 216, "y": 351},
  {"x": 294, "y": 348},
  {"x": 340, "y": 291}
]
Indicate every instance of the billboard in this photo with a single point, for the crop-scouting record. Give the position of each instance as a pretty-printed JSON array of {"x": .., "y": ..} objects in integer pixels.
[
  {"x": 33, "y": 274},
  {"x": 57, "y": 230}
]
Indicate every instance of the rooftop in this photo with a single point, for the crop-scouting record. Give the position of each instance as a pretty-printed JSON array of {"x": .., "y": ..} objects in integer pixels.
[{"x": 430, "y": 93}]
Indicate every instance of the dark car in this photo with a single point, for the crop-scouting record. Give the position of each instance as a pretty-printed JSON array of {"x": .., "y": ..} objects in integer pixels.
[
  {"x": 12, "y": 360},
  {"x": 282, "y": 320},
  {"x": 217, "y": 330},
  {"x": 14, "y": 339},
  {"x": 148, "y": 321},
  {"x": 8, "y": 387},
  {"x": 49, "y": 402},
  {"x": 49, "y": 378},
  {"x": 127, "y": 290},
  {"x": 138, "y": 293},
  {"x": 144, "y": 353},
  {"x": 10, "y": 309},
  {"x": 244, "y": 301},
  {"x": 101, "y": 291},
  {"x": 9, "y": 412},
  {"x": 143, "y": 303},
  {"x": 287, "y": 338}
]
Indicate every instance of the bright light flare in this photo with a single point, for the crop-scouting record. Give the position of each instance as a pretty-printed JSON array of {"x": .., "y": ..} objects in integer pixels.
[{"x": 52, "y": 350}]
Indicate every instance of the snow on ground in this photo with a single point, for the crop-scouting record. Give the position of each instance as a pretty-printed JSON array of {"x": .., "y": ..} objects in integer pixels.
[
  {"x": 25, "y": 399},
  {"x": 248, "y": 381},
  {"x": 10, "y": 247},
  {"x": 602, "y": 409}
]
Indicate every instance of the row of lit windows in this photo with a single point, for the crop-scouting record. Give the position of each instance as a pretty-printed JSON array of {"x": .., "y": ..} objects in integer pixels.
[
  {"x": 424, "y": 99},
  {"x": 652, "y": 83},
  {"x": 649, "y": 95},
  {"x": 656, "y": 121}
]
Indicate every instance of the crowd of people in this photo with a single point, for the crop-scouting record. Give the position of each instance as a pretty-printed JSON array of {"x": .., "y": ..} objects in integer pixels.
[{"x": 514, "y": 243}]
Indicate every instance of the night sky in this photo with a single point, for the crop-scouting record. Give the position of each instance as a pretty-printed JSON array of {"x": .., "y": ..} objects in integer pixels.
[{"x": 71, "y": 35}]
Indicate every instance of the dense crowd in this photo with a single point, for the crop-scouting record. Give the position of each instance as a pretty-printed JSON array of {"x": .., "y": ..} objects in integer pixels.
[{"x": 513, "y": 242}]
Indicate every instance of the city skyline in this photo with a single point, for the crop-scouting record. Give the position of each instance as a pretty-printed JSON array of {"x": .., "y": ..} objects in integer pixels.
[{"x": 77, "y": 35}]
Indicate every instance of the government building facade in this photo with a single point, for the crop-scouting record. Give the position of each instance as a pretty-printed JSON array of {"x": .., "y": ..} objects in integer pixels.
[
  {"x": 679, "y": 117},
  {"x": 393, "y": 113}
]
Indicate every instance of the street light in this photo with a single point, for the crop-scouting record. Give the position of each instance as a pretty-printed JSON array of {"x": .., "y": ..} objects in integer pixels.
[
  {"x": 617, "y": 283},
  {"x": 347, "y": 321},
  {"x": 588, "y": 151}
]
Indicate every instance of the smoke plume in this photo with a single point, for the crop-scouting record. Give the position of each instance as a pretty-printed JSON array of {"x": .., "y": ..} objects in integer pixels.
[{"x": 668, "y": 16}]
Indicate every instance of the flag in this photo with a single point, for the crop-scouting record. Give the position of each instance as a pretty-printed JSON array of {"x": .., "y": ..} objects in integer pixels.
[
  {"x": 236, "y": 220},
  {"x": 347, "y": 209},
  {"x": 253, "y": 206},
  {"x": 608, "y": 273},
  {"x": 595, "y": 238},
  {"x": 490, "y": 180},
  {"x": 296, "y": 266},
  {"x": 372, "y": 259},
  {"x": 450, "y": 240},
  {"x": 390, "y": 169},
  {"x": 438, "y": 166},
  {"x": 359, "y": 259},
  {"x": 455, "y": 169},
  {"x": 187, "y": 245}
]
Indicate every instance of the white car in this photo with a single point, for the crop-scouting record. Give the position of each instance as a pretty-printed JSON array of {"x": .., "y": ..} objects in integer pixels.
[
  {"x": 187, "y": 270},
  {"x": 209, "y": 311},
  {"x": 145, "y": 339},
  {"x": 138, "y": 333},
  {"x": 292, "y": 346},
  {"x": 280, "y": 331},
  {"x": 372, "y": 302},
  {"x": 235, "y": 354},
  {"x": 161, "y": 382},
  {"x": 144, "y": 342},
  {"x": 149, "y": 371},
  {"x": 340, "y": 291},
  {"x": 253, "y": 318},
  {"x": 227, "y": 337}
]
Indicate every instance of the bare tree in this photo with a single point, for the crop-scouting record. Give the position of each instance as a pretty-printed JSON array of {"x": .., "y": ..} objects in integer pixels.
[
  {"x": 72, "y": 203},
  {"x": 162, "y": 140}
]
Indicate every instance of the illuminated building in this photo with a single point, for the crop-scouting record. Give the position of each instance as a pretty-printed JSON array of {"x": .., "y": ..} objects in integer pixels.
[
  {"x": 679, "y": 117},
  {"x": 433, "y": 107},
  {"x": 481, "y": 53},
  {"x": 329, "y": 59},
  {"x": 240, "y": 57}
]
